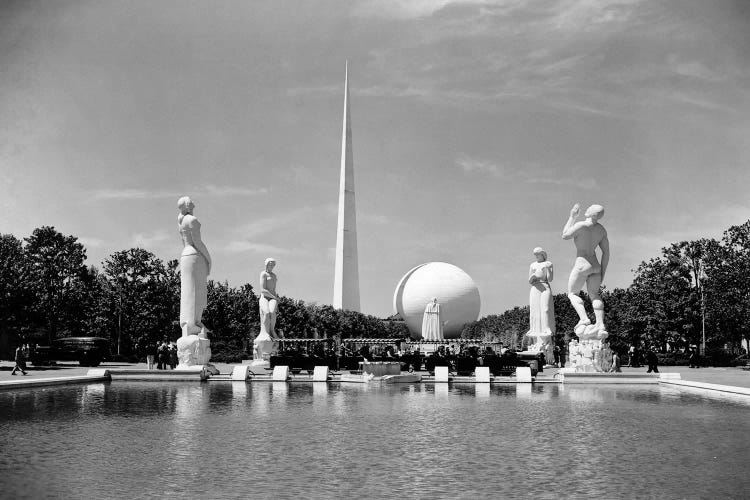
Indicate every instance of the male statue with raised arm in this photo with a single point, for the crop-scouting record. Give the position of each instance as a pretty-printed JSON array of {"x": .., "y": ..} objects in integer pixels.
[{"x": 587, "y": 235}]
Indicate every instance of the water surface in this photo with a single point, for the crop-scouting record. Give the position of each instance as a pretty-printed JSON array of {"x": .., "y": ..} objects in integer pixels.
[{"x": 224, "y": 440}]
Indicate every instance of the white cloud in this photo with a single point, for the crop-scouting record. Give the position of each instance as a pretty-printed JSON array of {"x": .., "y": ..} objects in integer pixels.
[
  {"x": 472, "y": 165},
  {"x": 90, "y": 242},
  {"x": 239, "y": 246},
  {"x": 150, "y": 240},
  {"x": 233, "y": 191},
  {"x": 128, "y": 194},
  {"x": 146, "y": 194},
  {"x": 375, "y": 219}
]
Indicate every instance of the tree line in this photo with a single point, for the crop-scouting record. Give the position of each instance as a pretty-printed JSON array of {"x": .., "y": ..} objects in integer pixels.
[{"x": 48, "y": 291}]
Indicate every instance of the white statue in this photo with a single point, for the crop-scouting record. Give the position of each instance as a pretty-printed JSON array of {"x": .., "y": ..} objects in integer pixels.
[
  {"x": 541, "y": 307},
  {"x": 432, "y": 325},
  {"x": 587, "y": 235},
  {"x": 586, "y": 357},
  {"x": 268, "y": 303},
  {"x": 195, "y": 265},
  {"x": 574, "y": 354}
]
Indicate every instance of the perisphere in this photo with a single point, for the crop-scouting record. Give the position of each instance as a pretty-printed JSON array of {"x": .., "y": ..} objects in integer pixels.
[{"x": 456, "y": 292}]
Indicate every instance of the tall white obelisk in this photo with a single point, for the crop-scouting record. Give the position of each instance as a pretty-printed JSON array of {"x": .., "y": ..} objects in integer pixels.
[{"x": 346, "y": 274}]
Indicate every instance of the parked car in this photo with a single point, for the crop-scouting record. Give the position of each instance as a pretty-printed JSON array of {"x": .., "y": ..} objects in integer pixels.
[{"x": 88, "y": 351}]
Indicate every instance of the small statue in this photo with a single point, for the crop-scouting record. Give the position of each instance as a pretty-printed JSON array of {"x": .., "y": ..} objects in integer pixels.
[
  {"x": 268, "y": 302},
  {"x": 541, "y": 306},
  {"x": 432, "y": 325},
  {"x": 574, "y": 354},
  {"x": 587, "y": 357},
  {"x": 587, "y": 236}
]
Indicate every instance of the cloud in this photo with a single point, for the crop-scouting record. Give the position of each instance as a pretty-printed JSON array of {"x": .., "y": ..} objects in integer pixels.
[
  {"x": 146, "y": 194},
  {"x": 587, "y": 183},
  {"x": 240, "y": 246},
  {"x": 233, "y": 191},
  {"x": 264, "y": 225},
  {"x": 472, "y": 165},
  {"x": 530, "y": 173},
  {"x": 150, "y": 240},
  {"x": 92, "y": 242},
  {"x": 375, "y": 219},
  {"x": 410, "y": 9},
  {"x": 128, "y": 194}
]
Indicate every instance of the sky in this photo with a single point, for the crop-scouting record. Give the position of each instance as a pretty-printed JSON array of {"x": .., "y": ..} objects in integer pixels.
[{"x": 476, "y": 126}]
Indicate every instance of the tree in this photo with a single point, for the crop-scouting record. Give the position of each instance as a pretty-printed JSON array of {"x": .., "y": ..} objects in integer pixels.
[
  {"x": 138, "y": 298},
  {"x": 56, "y": 267},
  {"x": 15, "y": 293},
  {"x": 727, "y": 292},
  {"x": 229, "y": 314}
]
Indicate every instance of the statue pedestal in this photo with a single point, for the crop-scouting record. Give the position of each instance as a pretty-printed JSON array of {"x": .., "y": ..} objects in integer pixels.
[
  {"x": 194, "y": 353},
  {"x": 263, "y": 347}
]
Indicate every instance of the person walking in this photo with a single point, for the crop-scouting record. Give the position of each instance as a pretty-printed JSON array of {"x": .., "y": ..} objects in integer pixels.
[
  {"x": 20, "y": 361},
  {"x": 652, "y": 360},
  {"x": 631, "y": 355}
]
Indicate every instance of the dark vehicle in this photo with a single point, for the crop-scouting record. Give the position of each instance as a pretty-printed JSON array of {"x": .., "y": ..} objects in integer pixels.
[{"x": 88, "y": 351}]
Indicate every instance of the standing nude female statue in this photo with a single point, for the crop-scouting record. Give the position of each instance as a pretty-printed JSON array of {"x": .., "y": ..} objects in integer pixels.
[
  {"x": 587, "y": 236},
  {"x": 268, "y": 302}
]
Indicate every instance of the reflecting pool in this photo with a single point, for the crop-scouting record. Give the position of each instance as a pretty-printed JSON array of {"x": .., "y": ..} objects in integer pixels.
[{"x": 220, "y": 440}]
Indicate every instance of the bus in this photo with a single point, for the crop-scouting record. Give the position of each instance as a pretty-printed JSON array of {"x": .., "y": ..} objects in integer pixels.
[{"x": 88, "y": 351}]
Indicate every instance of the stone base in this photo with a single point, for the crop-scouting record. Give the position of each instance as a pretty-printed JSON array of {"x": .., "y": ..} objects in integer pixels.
[
  {"x": 260, "y": 367},
  {"x": 193, "y": 350}
]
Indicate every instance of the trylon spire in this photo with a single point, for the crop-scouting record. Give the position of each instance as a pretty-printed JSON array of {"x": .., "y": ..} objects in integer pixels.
[{"x": 346, "y": 274}]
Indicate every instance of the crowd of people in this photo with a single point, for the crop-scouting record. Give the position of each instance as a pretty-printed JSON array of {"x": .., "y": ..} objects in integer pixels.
[{"x": 160, "y": 355}]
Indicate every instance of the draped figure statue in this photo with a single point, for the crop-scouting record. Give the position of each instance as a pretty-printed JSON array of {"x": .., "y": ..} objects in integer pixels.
[
  {"x": 195, "y": 266},
  {"x": 541, "y": 306},
  {"x": 432, "y": 324},
  {"x": 193, "y": 347}
]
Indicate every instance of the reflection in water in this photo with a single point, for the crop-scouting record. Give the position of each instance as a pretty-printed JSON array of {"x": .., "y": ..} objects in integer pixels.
[
  {"x": 264, "y": 439},
  {"x": 482, "y": 390},
  {"x": 441, "y": 390},
  {"x": 239, "y": 390},
  {"x": 523, "y": 390},
  {"x": 320, "y": 390}
]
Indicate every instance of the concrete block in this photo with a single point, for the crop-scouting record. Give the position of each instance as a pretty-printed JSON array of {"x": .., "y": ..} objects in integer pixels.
[
  {"x": 98, "y": 372},
  {"x": 441, "y": 374},
  {"x": 320, "y": 374},
  {"x": 240, "y": 373},
  {"x": 482, "y": 374},
  {"x": 280, "y": 374},
  {"x": 523, "y": 374}
]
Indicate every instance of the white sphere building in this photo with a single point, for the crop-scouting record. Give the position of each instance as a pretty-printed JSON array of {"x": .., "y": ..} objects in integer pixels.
[{"x": 456, "y": 292}]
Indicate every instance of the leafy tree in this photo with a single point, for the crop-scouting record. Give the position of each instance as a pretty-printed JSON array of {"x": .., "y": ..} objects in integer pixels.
[
  {"x": 138, "y": 298},
  {"x": 15, "y": 293},
  {"x": 229, "y": 314},
  {"x": 56, "y": 268}
]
